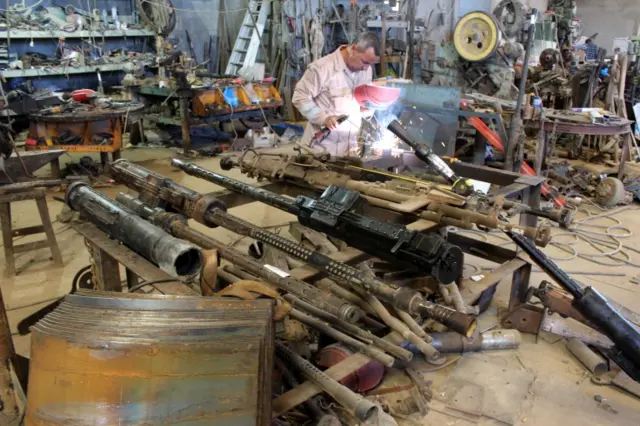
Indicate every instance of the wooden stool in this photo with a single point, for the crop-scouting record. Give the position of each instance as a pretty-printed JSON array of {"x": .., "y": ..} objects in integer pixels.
[{"x": 8, "y": 233}]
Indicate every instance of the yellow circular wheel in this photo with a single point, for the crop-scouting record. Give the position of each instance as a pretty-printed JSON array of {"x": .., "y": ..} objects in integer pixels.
[{"x": 476, "y": 36}]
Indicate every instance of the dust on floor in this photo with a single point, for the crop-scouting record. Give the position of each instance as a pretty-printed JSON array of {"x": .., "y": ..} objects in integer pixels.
[{"x": 539, "y": 384}]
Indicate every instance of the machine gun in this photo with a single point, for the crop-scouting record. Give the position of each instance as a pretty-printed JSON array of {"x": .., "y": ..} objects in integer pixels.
[
  {"x": 337, "y": 214},
  {"x": 158, "y": 190},
  {"x": 405, "y": 195},
  {"x": 595, "y": 308}
]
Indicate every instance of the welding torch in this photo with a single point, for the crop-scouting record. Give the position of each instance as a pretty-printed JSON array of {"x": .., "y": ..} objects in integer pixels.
[
  {"x": 459, "y": 185},
  {"x": 322, "y": 134}
]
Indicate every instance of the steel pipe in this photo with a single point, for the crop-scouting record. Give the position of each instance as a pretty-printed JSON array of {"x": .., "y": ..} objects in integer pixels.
[{"x": 172, "y": 255}]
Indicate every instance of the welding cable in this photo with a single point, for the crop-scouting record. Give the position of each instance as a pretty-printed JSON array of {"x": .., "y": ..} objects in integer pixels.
[
  {"x": 607, "y": 242},
  {"x": 146, "y": 283}
]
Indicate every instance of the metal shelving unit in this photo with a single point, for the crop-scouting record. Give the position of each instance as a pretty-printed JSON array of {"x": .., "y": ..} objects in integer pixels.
[
  {"x": 60, "y": 70},
  {"x": 29, "y": 34}
]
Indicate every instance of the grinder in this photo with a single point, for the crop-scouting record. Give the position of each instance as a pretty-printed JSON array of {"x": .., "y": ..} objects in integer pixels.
[{"x": 460, "y": 185}]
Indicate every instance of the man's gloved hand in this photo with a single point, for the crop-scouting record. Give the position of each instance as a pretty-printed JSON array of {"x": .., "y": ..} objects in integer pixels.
[{"x": 331, "y": 122}]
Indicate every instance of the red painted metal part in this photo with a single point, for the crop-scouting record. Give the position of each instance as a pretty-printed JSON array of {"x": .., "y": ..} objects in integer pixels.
[
  {"x": 82, "y": 95},
  {"x": 364, "y": 379},
  {"x": 494, "y": 141}
]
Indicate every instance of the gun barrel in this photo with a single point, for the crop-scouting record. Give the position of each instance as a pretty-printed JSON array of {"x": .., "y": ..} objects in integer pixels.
[
  {"x": 257, "y": 194},
  {"x": 591, "y": 304},
  {"x": 457, "y": 321},
  {"x": 172, "y": 255},
  {"x": 175, "y": 224},
  {"x": 156, "y": 189}
]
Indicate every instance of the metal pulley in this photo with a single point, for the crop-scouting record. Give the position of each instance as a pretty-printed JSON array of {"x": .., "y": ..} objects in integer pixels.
[
  {"x": 610, "y": 192},
  {"x": 512, "y": 15},
  {"x": 477, "y": 36}
]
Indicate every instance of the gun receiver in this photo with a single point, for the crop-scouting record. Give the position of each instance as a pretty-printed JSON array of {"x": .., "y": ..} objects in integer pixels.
[{"x": 336, "y": 213}]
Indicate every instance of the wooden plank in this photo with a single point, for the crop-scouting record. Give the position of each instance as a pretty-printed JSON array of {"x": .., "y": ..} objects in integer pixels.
[
  {"x": 471, "y": 290},
  {"x": 308, "y": 389},
  {"x": 144, "y": 269},
  {"x": 107, "y": 271}
]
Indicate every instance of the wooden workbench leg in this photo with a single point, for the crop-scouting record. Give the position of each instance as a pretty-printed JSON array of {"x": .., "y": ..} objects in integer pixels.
[
  {"x": 541, "y": 149},
  {"x": 55, "y": 168},
  {"x": 626, "y": 153},
  {"x": 107, "y": 270},
  {"x": 48, "y": 230},
  {"x": 115, "y": 155},
  {"x": 132, "y": 278},
  {"x": 104, "y": 158},
  {"x": 7, "y": 238}
]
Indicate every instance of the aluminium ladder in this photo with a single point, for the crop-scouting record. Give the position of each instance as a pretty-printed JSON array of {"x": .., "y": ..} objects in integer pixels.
[{"x": 245, "y": 49}]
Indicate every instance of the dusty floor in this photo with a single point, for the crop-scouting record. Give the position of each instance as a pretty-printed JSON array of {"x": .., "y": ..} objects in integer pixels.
[{"x": 542, "y": 383}]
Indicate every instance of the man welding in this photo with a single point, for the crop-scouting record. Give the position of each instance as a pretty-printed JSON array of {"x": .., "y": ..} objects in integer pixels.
[{"x": 325, "y": 94}]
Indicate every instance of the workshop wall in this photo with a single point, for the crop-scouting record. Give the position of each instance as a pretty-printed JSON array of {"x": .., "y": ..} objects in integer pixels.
[
  {"x": 609, "y": 19},
  {"x": 200, "y": 18}
]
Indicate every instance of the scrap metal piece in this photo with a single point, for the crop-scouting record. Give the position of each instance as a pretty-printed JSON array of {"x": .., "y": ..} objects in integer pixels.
[
  {"x": 354, "y": 403},
  {"x": 610, "y": 192},
  {"x": 170, "y": 254},
  {"x": 136, "y": 359},
  {"x": 592, "y": 361},
  {"x": 12, "y": 399},
  {"x": 595, "y": 308},
  {"x": 363, "y": 334},
  {"x": 477, "y": 36},
  {"x": 252, "y": 290},
  {"x": 447, "y": 343},
  {"x": 13, "y": 169}
]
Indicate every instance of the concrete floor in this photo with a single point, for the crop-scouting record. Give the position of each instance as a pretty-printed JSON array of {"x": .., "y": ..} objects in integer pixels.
[{"x": 558, "y": 390}]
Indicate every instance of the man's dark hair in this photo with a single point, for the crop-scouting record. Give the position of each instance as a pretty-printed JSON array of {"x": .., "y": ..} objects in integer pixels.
[
  {"x": 368, "y": 41},
  {"x": 589, "y": 41}
]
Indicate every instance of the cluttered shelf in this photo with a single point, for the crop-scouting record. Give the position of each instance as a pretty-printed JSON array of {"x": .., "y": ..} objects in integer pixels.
[
  {"x": 30, "y": 34},
  {"x": 63, "y": 70}
]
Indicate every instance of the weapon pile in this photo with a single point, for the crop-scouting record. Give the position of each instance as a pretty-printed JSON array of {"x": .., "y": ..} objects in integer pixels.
[
  {"x": 408, "y": 196},
  {"x": 348, "y": 305}
]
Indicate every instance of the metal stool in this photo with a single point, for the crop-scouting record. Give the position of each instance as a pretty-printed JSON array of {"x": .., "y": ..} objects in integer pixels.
[{"x": 8, "y": 233}]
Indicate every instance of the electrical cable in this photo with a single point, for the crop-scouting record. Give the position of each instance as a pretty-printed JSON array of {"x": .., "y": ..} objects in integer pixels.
[
  {"x": 607, "y": 243},
  {"x": 146, "y": 283}
]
